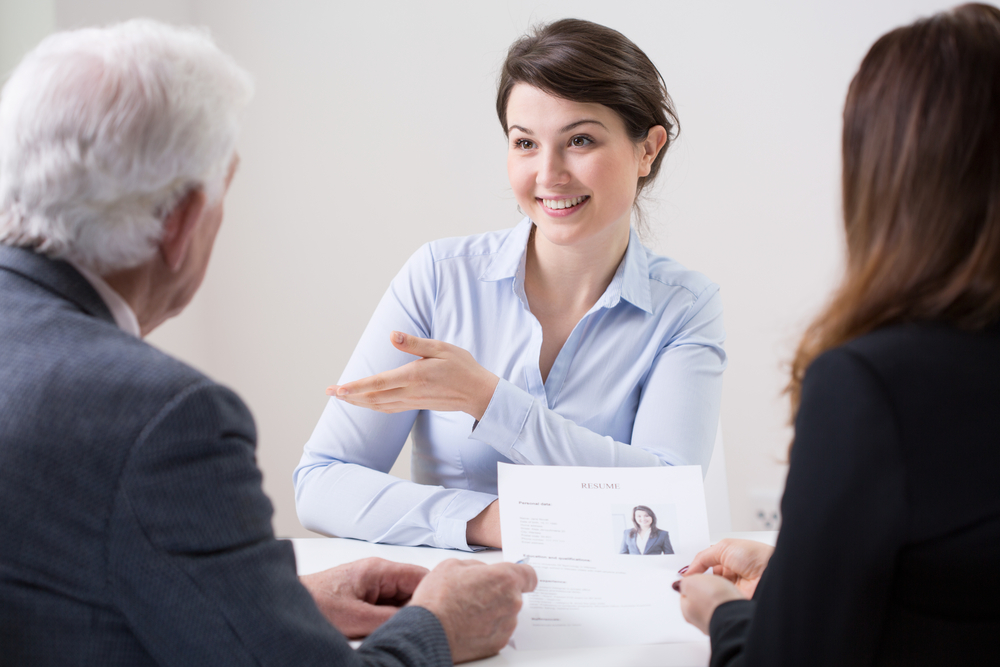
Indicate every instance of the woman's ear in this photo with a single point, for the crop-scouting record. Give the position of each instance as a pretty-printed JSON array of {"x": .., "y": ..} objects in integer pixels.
[
  {"x": 179, "y": 228},
  {"x": 650, "y": 147}
]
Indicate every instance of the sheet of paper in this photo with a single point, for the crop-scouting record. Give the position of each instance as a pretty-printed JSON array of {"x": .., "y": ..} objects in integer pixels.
[{"x": 573, "y": 524}]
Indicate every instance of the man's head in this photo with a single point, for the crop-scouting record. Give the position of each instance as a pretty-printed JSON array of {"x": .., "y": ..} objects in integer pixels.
[{"x": 109, "y": 134}]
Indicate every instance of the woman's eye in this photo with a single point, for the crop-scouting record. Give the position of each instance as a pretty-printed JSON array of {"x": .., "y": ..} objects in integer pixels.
[
  {"x": 580, "y": 140},
  {"x": 524, "y": 144}
]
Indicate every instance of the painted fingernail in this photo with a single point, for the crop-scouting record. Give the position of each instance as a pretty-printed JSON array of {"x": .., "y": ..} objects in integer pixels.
[
  {"x": 676, "y": 585},
  {"x": 342, "y": 392},
  {"x": 398, "y": 337},
  {"x": 683, "y": 569}
]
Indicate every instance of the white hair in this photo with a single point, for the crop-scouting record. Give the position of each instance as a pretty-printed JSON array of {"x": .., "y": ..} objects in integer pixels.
[{"x": 104, "y": 130}]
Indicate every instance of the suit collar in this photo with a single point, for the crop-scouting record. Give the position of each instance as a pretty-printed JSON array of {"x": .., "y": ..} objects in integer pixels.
[{"x": 56, "y": 276}]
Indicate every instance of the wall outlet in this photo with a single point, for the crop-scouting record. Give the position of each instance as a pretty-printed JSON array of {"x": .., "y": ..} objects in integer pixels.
[{"x": 766, "y": 509}]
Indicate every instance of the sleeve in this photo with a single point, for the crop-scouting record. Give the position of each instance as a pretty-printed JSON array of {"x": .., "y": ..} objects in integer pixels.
[
  {"x": 675, "y": 423},
  {"x": 194, "y": 566},
  {"x": 624, "y": 549},
  {"x": 667, "y": 547},
  {"x": 824, "y": 595},
  {"x": 342, "y": 485}
]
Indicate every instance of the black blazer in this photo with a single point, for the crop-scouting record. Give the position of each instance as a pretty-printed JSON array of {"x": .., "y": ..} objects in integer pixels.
[
  {"x": 656, "y": 545},
  {"x": 889, "y": 550},
  {"x": 133, "y": 527}
]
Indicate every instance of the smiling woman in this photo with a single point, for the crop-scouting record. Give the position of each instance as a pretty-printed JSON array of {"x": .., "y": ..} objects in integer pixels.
[{"x": 562, "y": 341}]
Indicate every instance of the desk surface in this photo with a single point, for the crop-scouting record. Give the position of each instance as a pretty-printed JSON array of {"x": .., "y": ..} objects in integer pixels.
[{"x": 315, "y": 554}]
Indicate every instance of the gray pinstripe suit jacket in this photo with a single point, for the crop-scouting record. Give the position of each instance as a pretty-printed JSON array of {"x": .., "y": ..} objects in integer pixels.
[{"x": 133, "y": 527}]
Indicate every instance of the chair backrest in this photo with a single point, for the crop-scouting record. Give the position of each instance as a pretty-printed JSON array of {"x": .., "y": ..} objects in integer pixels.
[{"x": 720, "y": 518}]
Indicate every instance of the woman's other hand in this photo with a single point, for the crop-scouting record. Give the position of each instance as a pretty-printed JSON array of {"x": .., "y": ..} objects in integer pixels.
[
  {"x": 484, "y": 529},
  {"x": 446, "y": 378},
  {"x": 742, "y": 562},
  {"x": 701, "y": 594}
]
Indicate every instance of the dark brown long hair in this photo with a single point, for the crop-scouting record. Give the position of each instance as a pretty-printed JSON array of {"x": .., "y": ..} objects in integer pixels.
[
  {"x": 921, "y": 184},
  {"x": 586, "y": 62},
  {"x": 653, "y": 530}
]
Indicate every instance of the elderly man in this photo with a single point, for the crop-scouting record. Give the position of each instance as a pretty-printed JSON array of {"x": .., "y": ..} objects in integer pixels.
[{"x": 133, "y": 527}]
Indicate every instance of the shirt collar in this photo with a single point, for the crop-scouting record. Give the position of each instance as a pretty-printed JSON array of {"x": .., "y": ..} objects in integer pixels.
[
  {"x": 120, "y": 310},
  {"x": 508, "y": 260},
  {"x": 634, "y": 270},
  {"x": 630, "y": 282}
]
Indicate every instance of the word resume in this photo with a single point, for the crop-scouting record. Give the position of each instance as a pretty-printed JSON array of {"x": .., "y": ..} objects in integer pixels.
[{"x": 606, "y": 544}]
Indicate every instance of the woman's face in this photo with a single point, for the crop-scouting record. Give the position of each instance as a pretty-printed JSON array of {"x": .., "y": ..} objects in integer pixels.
[
  {"x": 643, "y": 519},
  {"x": 572, "y": 167}
]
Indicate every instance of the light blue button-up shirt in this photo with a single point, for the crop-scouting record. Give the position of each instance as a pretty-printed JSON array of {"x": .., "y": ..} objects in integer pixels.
[{"x": 637, "y": 383}]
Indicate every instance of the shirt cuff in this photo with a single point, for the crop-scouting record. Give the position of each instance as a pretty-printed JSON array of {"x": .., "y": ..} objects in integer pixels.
[
  {"x": 451, "y": 529},
  {"x": 504, "y": 418}
]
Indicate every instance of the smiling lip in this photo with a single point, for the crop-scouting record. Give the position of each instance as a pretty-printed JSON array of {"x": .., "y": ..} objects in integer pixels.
[{"x": 563, "y": 205}]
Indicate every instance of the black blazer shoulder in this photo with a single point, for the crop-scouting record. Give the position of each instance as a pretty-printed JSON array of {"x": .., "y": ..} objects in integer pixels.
[{"x": 894, "y": 480}]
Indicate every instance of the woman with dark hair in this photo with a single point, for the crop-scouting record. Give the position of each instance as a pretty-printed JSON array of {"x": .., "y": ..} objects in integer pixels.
[
  {"x": 644, "y": 538},
  {"x": 890, "y": 540},
  {"x": 562, "y": 341}
]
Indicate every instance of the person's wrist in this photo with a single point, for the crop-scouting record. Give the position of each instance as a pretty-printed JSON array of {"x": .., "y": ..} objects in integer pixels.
[
  {"x": 481, "y": 399},
  {"x": 484, "y": 529}
]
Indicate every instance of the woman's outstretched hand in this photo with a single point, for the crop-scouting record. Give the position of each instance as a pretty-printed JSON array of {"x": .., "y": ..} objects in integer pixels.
[{"x": 446, "y": 378}]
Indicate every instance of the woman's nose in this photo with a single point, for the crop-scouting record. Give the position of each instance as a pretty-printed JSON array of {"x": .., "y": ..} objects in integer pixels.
[{"x": 552, "y": 171}]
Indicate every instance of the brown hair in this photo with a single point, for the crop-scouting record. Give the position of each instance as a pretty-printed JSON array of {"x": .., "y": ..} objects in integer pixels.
[
  {"x": 653, "y": 530},
  {"x": 921, "y": 184},
  {"x": 589, "y": 63}
]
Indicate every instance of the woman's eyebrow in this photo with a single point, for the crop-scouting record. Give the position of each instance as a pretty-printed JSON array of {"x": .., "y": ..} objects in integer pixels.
[
  {"x": 564, "y": 129},
  {"x": 582, "y": 122}
]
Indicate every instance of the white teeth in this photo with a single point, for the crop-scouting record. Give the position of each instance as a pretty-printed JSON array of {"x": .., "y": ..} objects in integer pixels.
[{"x": 562, "y": 203}]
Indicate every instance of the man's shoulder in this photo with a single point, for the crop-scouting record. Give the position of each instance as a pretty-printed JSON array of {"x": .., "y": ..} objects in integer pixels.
[
  {"x": 153, "y": 383},
  {"x": 112, "y": 357},
  {"x": 95, "y": 377}
]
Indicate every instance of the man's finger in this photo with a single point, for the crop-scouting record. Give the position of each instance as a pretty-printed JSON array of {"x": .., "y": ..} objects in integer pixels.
[
  {"x": 399, "y": 580},
  {"x": 525, "y": 574}
]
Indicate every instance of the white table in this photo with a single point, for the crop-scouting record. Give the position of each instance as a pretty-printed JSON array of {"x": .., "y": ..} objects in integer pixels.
[{"x": 315, "y": 554}]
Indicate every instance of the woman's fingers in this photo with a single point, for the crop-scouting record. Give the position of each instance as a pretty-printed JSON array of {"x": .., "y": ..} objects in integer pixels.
[
  {"x": 701, "y": 594},
  {"x": 391, "y": 400},
  {"x": 421, "y": 347},
  {"x": 388, "y": 380},
  {"x": 445, "y": 378},
  {"x": 705, "y": 559}
]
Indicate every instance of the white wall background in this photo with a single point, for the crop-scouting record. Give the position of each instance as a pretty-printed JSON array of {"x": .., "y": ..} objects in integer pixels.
[{"x": 373, "y": 131}]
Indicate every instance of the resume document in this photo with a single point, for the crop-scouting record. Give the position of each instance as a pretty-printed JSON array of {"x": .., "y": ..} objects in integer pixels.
[{"x": 606, "y": 544}]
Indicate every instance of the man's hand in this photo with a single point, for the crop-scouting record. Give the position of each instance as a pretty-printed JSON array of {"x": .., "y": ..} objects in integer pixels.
[
  {"x": 742, "y": 562},
  {"x": 701, "y": 594},
  {"x": 446, "y": 378},
  {"x": 476, "y": 603},
  {"x": 360, "y": 596}
]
